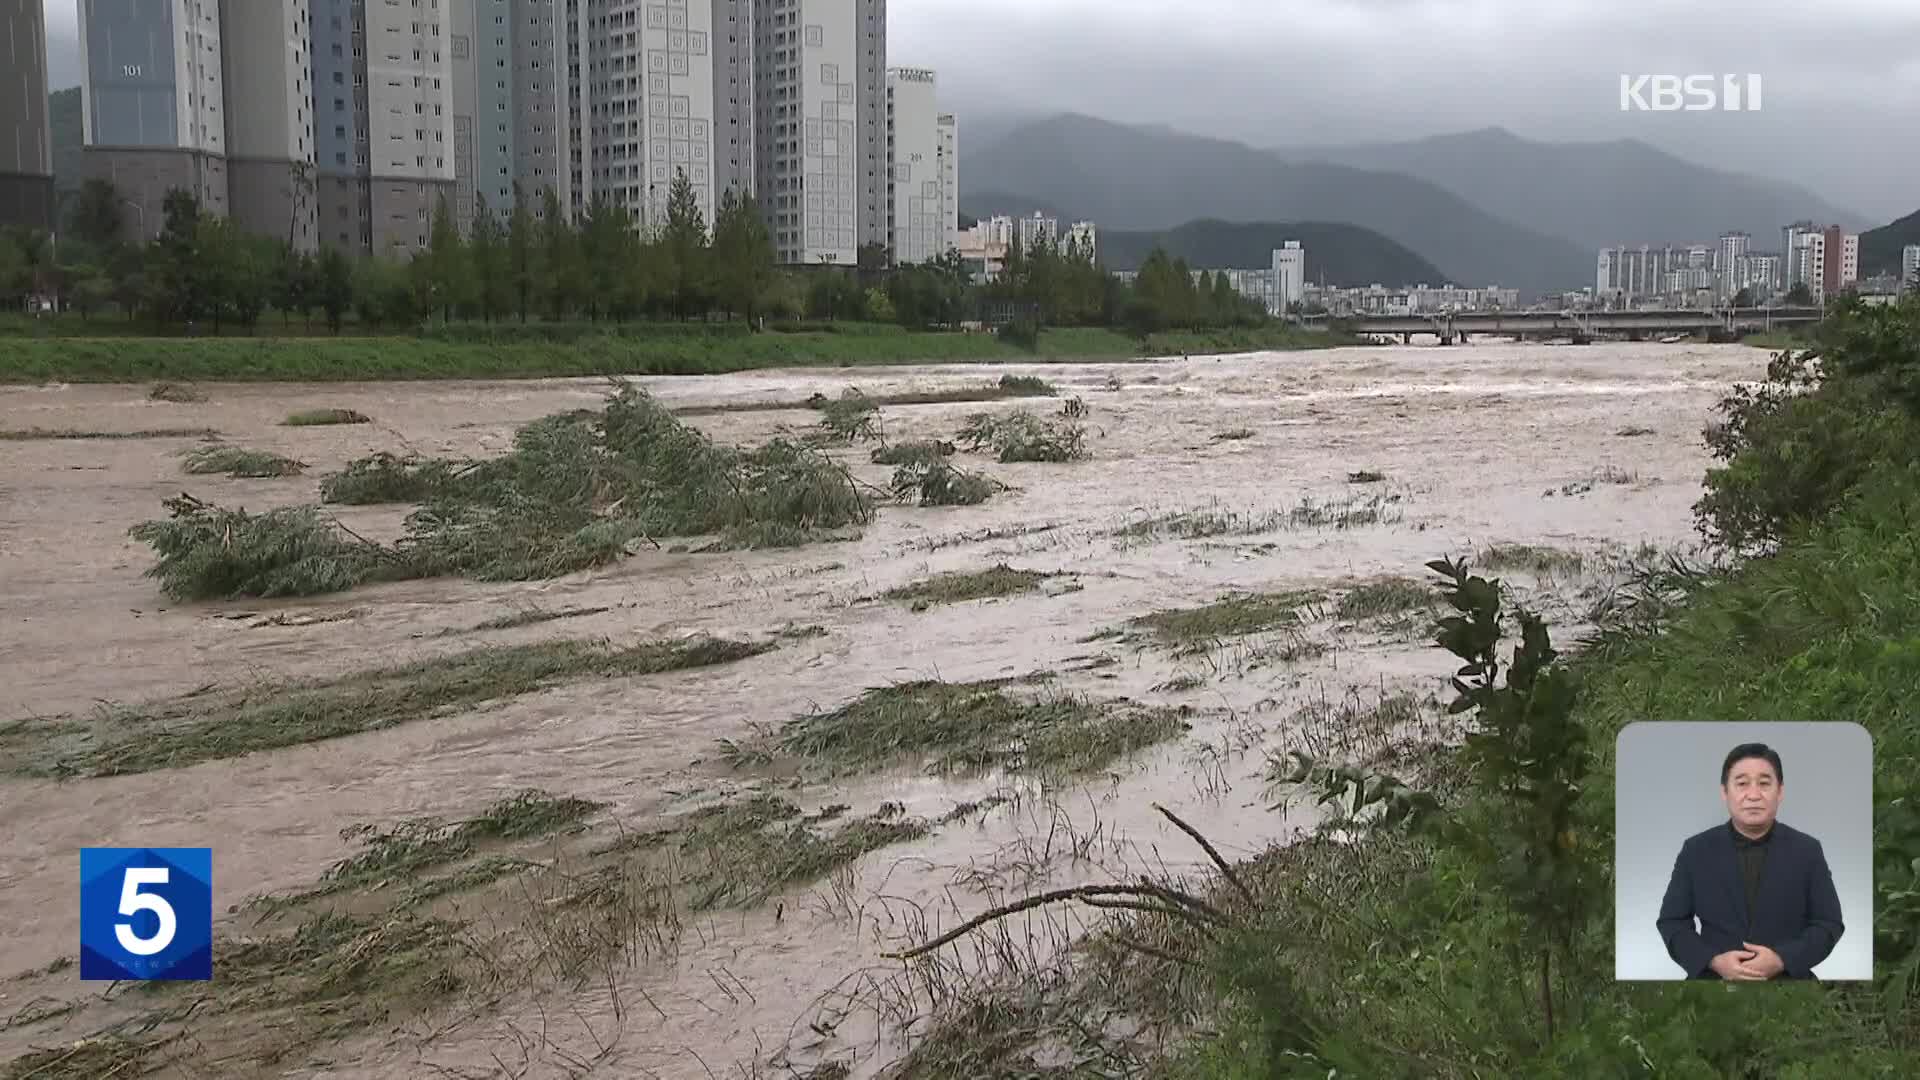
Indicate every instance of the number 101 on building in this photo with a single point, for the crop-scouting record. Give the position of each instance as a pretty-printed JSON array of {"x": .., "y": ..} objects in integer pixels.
[{"x": 146, "y": 913}]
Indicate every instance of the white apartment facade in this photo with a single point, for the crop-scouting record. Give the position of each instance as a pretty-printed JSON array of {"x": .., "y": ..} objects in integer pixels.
[
  {"x": 819, "y": 101},
  {"x": 1289, "y": 277},
  {"x": 1910, "y": 266},
  {"x": 919, "y": 200}
]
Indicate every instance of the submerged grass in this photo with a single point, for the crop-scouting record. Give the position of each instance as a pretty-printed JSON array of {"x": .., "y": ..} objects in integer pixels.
[
  {"x": 402, "y": 854},
  {"x": 177, "y": 393},
  {"x": 1190, "y": 630},
  {"x": 963, "y": 585},
  {"x": 1208, "y": 522},
  {"x": 206, "y": 727},
  {"x": 241, "y": 463},
  {"x": 1385, "y": 597},
  {"x": 323, "y": 417},
  {"x": 1533, "y": 558},
  {"x": 743, "y": 851},
  {"x": 968, "y": 727},
  {"x": 576, "y": 490},
  {"x": 37, "y": 433}
]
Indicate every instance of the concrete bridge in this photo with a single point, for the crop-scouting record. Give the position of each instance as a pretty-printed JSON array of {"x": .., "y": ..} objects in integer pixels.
[{"x": 1578, "y": 325}]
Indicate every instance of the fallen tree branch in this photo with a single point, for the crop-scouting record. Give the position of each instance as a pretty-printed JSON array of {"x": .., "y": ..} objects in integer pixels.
[
  {"x": 1226, "y": 871},
  {"x": 1055, "y": 896}
]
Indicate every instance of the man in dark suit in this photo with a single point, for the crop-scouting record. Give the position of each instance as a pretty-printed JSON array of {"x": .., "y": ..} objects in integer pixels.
[{"x": 1760, "y": 890}]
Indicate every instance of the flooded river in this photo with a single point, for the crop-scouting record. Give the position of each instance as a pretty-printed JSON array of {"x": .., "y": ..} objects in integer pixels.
[{"x": 1591, "y": 450}]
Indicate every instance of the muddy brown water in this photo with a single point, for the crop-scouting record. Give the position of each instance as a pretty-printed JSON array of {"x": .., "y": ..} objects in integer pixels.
[{"x": 1471, "y": 439}]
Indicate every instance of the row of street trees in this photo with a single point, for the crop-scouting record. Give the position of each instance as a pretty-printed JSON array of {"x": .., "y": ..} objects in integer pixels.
[{"x": 202, "y": 270}]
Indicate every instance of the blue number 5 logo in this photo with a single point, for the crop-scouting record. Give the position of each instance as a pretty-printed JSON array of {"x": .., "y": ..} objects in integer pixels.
[{"x": 146, "y": 913}]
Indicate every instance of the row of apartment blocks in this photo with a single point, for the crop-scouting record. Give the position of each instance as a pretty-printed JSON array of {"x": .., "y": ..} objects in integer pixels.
[
  {"x": 984, "y": 247},
  {"x": 345, "y": 122},
  {"x": 1824, "y": 259},
  {"x": 1279, "y": 286}
]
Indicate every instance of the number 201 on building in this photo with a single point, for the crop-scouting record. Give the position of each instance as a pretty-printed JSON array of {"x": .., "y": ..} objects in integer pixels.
[{"x": 146, "y": 913}]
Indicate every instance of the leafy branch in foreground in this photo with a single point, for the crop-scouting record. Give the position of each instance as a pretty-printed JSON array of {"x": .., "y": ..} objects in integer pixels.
[{"x": 1528, "y": 753}]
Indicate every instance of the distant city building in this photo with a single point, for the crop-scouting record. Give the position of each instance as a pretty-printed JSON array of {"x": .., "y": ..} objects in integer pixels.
[
  {"x": 1804, "y": 251},
  {"x": 1729, "y": 270},
  {"x": 1841, "y": 267},
  {"x": 26, "y": 133},
  {"x": 1759, "y": 272},
  {"x": 1036, "y": 228},
  {"x": 1413, "y": 300},
  {"x": 949, "y": 182},
  {"x": 1910, "y": 266},
  {"x": 1289, "y": 277},
  {"x": 1084, "y": 237},
  {"x": 984, "y": 247}
]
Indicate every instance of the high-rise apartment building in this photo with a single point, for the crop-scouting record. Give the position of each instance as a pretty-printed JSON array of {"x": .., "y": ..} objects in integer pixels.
[
  {"x": 386, "y": 134},
  {"x": 153, "y": 114},
  {"x": 1842, "y": 266},
  {"x": 949, "y": 181},
  {"x": 1084, "y": 237},
  {"x": 1910, "y": 266},
  {"x": 1727, "y": 267},
  {"x": 267, "y": 77},
  {"x": 819, "y": 99},
  {"x": 1033, "y": 230},
  {"x": 26, "y": 139},
  {"x": 923, "y": 209},
  {"x": 1289, "y": 276},
  {"x": 480, "y": 52}
]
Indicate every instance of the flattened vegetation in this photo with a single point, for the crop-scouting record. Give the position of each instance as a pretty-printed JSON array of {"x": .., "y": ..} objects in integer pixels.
[
  {"x": 1199, "y": 524},
  {"x": 741, "y": 852},
  {"x": 1022, "y": 436},
  {"x": 961, "y": 586},
  {"x": 964, "y": 728},
  {"x": 32, "y": 434},
  {"x": 186, "y": 730},
  {"x": 402, "y": 854},
  {"x": 323, "y": 417},
  {"x": 241, "y": 463},
  {"x": 1533, "y": 558},
  {"x": 1385, "y": 597},
  {"x": 1189, "y": 630}
]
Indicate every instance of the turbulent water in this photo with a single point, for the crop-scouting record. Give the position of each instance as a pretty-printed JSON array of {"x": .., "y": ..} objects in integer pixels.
[{"x": 1480, "y": 444}]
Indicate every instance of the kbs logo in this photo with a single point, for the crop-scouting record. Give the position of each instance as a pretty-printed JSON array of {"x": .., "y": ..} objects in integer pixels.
[
  {"x": 146, "y": 913},
  {"x": 1689, "y": 93}
]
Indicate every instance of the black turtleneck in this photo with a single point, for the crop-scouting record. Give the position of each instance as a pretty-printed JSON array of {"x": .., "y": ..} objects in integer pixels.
[{"x": 1753, "y": 860}]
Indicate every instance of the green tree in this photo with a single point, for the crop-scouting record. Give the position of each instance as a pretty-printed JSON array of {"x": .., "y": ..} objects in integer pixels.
[
  {"x": 449, "y": 276},
  {"x": 1745, "y": 297},
  {"x": 334, "y": 287},
  {"x": 90, "y": 289},
  {"x": 293, "y": 285},
  {"x": 742, "y": 254},
  {"x": 560, "y": 259},
  {"x": 94, "y": 216},
  {"x": 181, "y": 284},
  {"x": 685, "y": 241},
  {"x": 607, "y": 244},
  {"x": 491, "y": 261},
  {"x": 524, "y": 270},
  {"x": 1800, "y": 295}
]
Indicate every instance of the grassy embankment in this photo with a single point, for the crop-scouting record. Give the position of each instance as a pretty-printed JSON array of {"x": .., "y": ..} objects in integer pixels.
[
  {"x": 1413, "y": 952},
  {"x": 511, "y": 351}
]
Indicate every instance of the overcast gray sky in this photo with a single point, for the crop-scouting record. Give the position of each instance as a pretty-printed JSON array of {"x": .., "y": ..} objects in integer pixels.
[{"x": 1841, "y": 111}]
